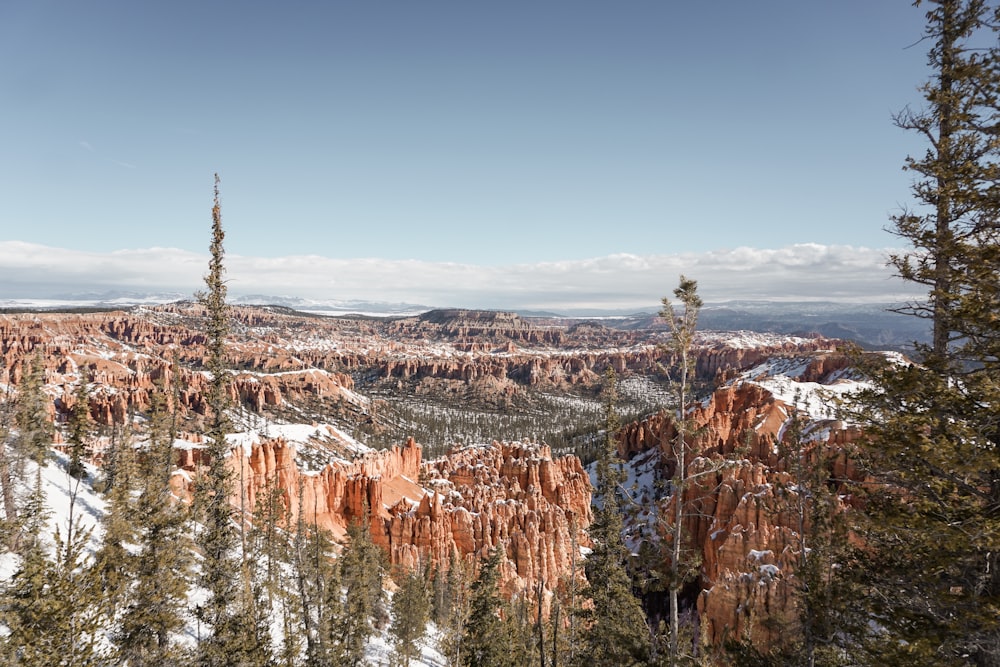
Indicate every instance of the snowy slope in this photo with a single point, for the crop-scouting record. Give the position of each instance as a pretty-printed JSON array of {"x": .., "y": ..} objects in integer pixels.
[{"x": 66, "y": 497}]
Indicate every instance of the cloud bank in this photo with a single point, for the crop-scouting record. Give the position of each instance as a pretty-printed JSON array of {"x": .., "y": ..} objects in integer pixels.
[{"x": 801, "y": 272}]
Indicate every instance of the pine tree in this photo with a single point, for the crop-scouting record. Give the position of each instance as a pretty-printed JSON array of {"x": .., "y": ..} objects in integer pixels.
[
  {"x": 451, "y": 607},
  {"x": 220, "y": 568},
  {"x": 9, "y": 527},
  {"x": 113, "y": 561},
  {"x": 53, "y": 603},
  {"x": 32, "y": 411},
  {"x": 79, "y": 428},
  {"x": 683, "y": 327},
  {"x": 958, "y": 174},
  {"x": 26, "y": 604},
  {"x": 75, "y": 625},
  {"x": 615, "y": 631},
  {"x": 362, "y": 569},
  {"x": 159, "y": 571},
  {"x": 410, "y": 613},
  {"x": 520, "y": 622},
  {"x": 487, "y": 641},
  {"x": 328, "y": 600},
  {"x": 931, "y": 565},
  {"x": 318, "y": 590}
]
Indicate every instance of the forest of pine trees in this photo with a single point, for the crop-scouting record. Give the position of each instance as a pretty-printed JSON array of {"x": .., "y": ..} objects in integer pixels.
[{"x": 901, "y": 567}]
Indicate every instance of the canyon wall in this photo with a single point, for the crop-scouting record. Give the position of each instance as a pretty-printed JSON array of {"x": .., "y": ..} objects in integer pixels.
[
  {"x": 742, "y": 507},
  {"x": 511, "y": 494}
]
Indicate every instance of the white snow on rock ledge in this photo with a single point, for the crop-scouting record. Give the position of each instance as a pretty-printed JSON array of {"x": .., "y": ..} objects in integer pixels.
[{"x": 815, "y": 400}]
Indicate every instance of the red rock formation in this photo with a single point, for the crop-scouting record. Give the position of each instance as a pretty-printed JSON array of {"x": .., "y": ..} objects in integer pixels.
[
  {"x": 491, "y": 354},
  {"x": 515, "y": 494},
  {"x": 511, "y": 494},
  {"x": 747, "y": 535}
]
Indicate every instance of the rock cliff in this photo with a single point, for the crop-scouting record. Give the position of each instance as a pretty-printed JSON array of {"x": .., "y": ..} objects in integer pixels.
[
  {"x": 741, "y": 513},
  {"x": 516, "y": 495}
]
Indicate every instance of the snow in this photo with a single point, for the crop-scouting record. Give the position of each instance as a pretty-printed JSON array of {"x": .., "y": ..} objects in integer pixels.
[
  {"x": 638, "y": 491},
  {"x": 746, "y": 340},
  {"x": 769, "y": 570},
  {"x": 379, "y": 650},
  {"x": 88, "y": 510},
  {"x": 781, "y": 376},
  {"x": 63, "y": 492}
]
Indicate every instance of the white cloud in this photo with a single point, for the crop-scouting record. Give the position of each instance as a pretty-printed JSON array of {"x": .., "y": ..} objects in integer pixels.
[{"x": 791, "y": 273}]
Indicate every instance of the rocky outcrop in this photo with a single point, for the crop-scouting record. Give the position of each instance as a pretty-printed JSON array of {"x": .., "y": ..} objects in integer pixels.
[
  {"x": 281, "y": 357},
  {"x": 741, "y": 510},
  {"x": 512, "y": 495}
]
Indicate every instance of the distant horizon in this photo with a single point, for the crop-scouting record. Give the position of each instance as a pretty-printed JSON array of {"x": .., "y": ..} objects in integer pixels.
[
  {"x": 617, "y": 282},
  {"x": 111, "y": 301}
]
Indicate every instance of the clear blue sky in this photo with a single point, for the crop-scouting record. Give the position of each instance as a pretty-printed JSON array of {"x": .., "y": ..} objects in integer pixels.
[{"x": 485, "y": 133}]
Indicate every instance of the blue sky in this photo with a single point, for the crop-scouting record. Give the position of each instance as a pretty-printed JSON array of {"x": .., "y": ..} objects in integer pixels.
[{"x": 504, "y": 136}]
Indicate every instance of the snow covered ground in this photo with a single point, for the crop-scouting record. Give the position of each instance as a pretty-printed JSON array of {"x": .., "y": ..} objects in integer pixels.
[{"x": 68, "y": 499}]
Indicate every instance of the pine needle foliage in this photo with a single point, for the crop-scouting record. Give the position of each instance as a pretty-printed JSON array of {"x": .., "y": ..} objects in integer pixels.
[
  {"x": 410, "y": 612},
  {"x": 614, "y": 630},
  {"x": 683, "y": 327},
  {"x": 80, "y": 426},
  {"x": 153, "y": 612},
  {"x": 932, "y": 535},
  {"x": 31, "y": 414},
  {"x": 362, "y": 567},
  {"x": 487, "y": 639},
  {"x": 220, "y": 568}
]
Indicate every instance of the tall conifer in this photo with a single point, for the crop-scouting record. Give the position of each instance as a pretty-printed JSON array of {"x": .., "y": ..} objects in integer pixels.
[
  {"x": 932, "y": 556},
  {"x": 220, "y": 568},
  {"x": 362, "y": 570},
  {"x": 410, "y": 612},
  {"x": 614, "y": 628},
  {"x": 683, "y": 327},
  {"x": 79, "y": 427},
  {"x": 160, "y": 569},
  {"x": 487, "y": 641},
  {"x": 31, "y": 414}
]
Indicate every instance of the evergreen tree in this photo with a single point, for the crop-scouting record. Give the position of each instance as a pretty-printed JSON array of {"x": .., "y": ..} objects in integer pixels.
[
  {"x": 520, "y": 621},
  {"x": 615, "y": 631},
  {"x": 220, "y": 568},
  {"x": 9, "y": 528},
  {"x": 79, "y": 428},
  {"x": 52, "y": 608},
  {"x": 26, "y": 605},
  {"x": 683, "y": 327},
  {"x": 410, "y": 613},
  {"x": 318, "y": 585},
  {"x": 159, "y": 571},
  {"x": 451, "y": 607},
  {"x": 487, "y": 641},
  {"x": 318, "y": 589},
  {"x": 362, "y": 569},
  {"x": 113, "y": 561},
  {"x": 52, "y": 605},
  {"x": 931, "y": 566},
  {"x": 957, "y": 175},
  {"x": 32, "y": 412},
  {"x": 328, "y": 603}
]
